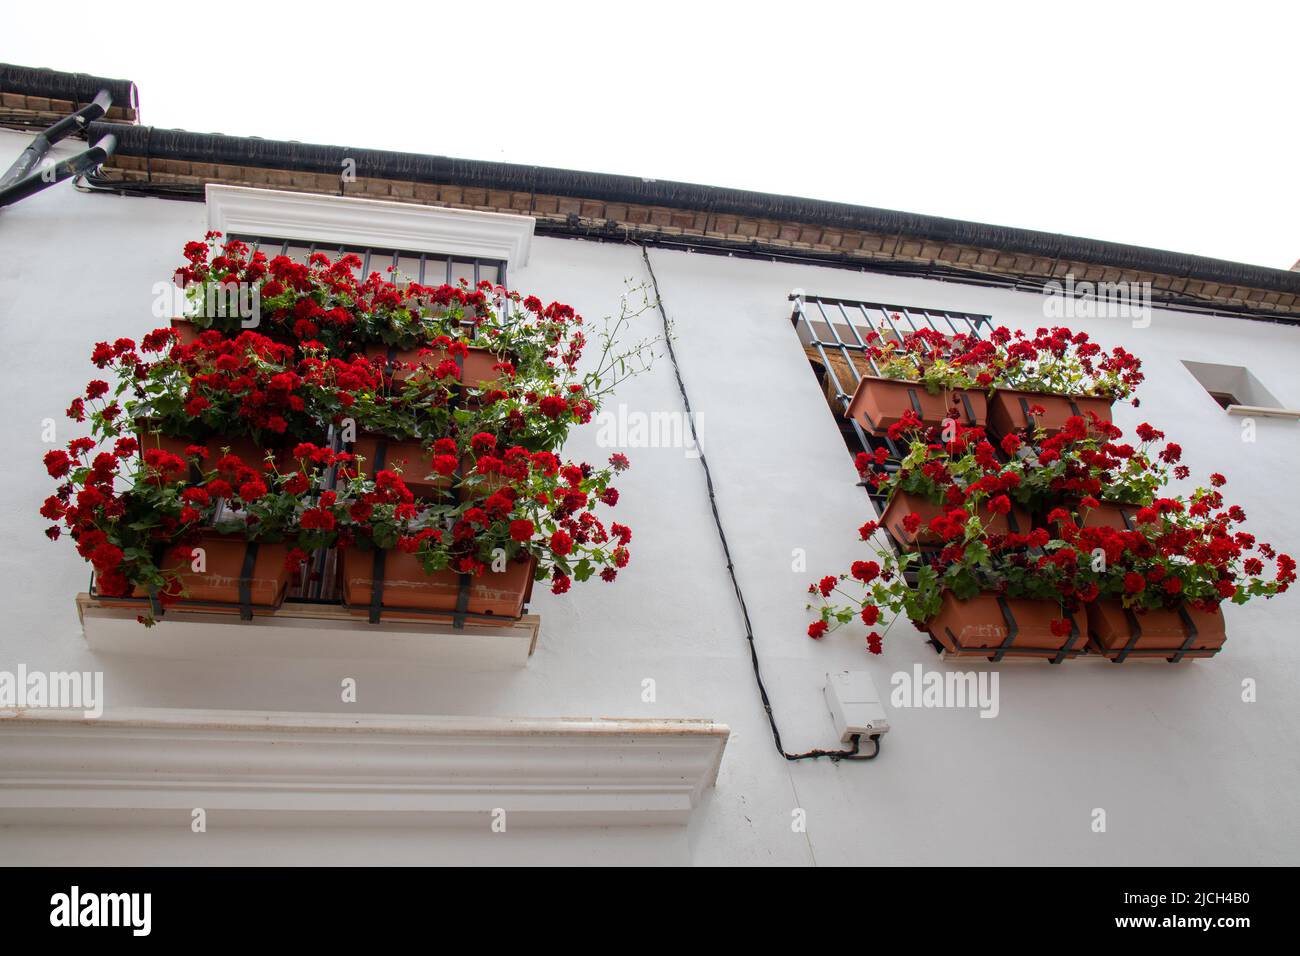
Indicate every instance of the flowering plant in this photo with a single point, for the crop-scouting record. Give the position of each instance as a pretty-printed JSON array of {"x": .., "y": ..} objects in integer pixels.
[
  {"x": 1061, "y": 362},
  {"x": 321, "y": 300},
  {"x": 1180, "y": 550},
  {"x": 937, "y": 361},
  {"x": 518, "y": 504},
  {"x": 246, "y": 385},
  {"x": 534, "y": 406},
  {"x": 1055, "y": 361},
  {"x": 126, "y": 506},
  {"x": 952, "y": 466},
  {"x": 326, "y": 304},
  {"x": 1081, "y": 460},
  {"x": 1090, "y": 460},
  {"x": 312, "y": 365}
]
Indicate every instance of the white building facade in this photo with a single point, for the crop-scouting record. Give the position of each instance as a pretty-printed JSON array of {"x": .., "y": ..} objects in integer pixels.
[{"x": 634, "y": 731}]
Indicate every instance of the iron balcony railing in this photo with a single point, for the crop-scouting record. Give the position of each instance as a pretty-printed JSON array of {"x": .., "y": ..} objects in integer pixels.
[
  {"x": 321, "y": 585},
  {"x": 834, "y": 332},
  {"x": 421, "y": 267}
]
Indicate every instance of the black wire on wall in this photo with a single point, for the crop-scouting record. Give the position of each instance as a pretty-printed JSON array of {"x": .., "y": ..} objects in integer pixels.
[{"x": 852, "y": 752}]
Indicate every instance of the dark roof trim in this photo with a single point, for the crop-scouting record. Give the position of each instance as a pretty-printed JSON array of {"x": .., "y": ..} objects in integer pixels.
[
  {"x": 77, "y": 87},
  {"x": 417, "y": 167}
]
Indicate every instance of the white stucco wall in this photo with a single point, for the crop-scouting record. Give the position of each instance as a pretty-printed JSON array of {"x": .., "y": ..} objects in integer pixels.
[{"x": 1186, "y": 771}]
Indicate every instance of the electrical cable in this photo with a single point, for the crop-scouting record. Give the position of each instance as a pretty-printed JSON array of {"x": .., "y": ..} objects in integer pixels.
[
  {"x": 853, "y": 751},
  {"x": 98, "y": 182}
]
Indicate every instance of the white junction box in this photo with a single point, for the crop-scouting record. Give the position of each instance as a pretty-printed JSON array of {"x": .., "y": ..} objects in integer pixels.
[{"x": 855, "y": 706}]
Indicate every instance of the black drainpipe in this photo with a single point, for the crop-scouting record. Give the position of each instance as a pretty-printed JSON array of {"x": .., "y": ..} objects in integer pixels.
[{"x": 41, "y": 143}]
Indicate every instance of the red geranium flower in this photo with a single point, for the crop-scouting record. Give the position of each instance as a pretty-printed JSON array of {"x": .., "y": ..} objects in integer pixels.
[
  {"x": 57, "y": 463},
  {"x": 865, "y": 570}
]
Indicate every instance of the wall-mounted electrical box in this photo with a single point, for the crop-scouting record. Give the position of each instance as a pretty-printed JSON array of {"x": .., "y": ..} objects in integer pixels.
[{"x": 855, "y": 706}]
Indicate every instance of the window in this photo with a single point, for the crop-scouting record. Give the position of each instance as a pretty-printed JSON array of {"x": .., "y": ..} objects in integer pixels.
[
  {"x": 833, "y": 333},
  {"x": 458, "y": 236},
  {"x": 421, "y": 267},
  {"x": 1237, "y": 391},
  {"x": 322, "y": 585}
]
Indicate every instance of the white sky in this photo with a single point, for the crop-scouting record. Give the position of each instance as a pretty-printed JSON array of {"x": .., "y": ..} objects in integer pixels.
[{"x": 1166, "y": 125}]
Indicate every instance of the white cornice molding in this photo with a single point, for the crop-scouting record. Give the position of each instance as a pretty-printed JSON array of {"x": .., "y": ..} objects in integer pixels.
[
  {"x": 253, "y": 768},
  {"x": 370, "y": 223}
]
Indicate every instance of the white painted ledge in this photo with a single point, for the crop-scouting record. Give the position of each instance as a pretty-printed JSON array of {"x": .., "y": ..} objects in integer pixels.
[
  {"x": 261, "y": 768},
  {"x": 308, "y": 632},
  {"x": 1263, "y": 411},
  {"x": 370, "y": 223}
]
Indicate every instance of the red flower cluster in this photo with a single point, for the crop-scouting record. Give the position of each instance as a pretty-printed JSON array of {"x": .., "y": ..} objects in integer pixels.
[
  {"x": 1176, "y": 549},
  {"x": 323, "y": 356}
]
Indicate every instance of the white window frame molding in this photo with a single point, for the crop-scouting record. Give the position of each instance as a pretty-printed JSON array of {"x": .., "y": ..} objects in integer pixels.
[
  {"x": 308, "y": 632},
  {"x": 152, "y": 766},
  {"x": 370, "y": 223}
]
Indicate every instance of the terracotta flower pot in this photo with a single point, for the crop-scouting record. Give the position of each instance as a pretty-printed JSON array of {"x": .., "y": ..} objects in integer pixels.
[
  {"x": 248, "y": 450},
  {"x": 1107, "y": 515},
  {"x": 238, "y": 576},
  {"x": 879, "y": 403},
  {"x": 984, "y": 626},
  {"x": 1121, "y": 634},
  {"x": 408, "y": 593},
  {"x": 904, "y": 503},
  {"x": 411, "y": 458},
  {"x": 189, "y": 332},
  {"x": 416, "y": 465},
  {"x": 1009, "y": 410},
  {"x": 476, "y": 370}
]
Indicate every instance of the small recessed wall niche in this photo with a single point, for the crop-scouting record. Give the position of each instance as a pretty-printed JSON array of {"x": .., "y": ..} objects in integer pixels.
[{"x": 1237, "y": 391}]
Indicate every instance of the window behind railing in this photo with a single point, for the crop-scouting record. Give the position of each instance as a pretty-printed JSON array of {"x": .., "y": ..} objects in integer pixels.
[
  {"x": 321, "y": 586},
  {"x": 423, "y": 268},
  {"x": 834, "y": 335}
]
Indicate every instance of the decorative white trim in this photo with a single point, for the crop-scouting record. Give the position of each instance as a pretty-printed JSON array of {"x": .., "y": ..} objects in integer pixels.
[
  {"x": 308, "y": 632},
  {"x": 371, "y": 223},
  {"x": 254, "y": 768},
  {"x": 1263, "y": 411}
]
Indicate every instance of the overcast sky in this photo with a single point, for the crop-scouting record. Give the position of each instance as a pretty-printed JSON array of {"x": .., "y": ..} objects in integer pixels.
[{"x": 1165, "y": 125}]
